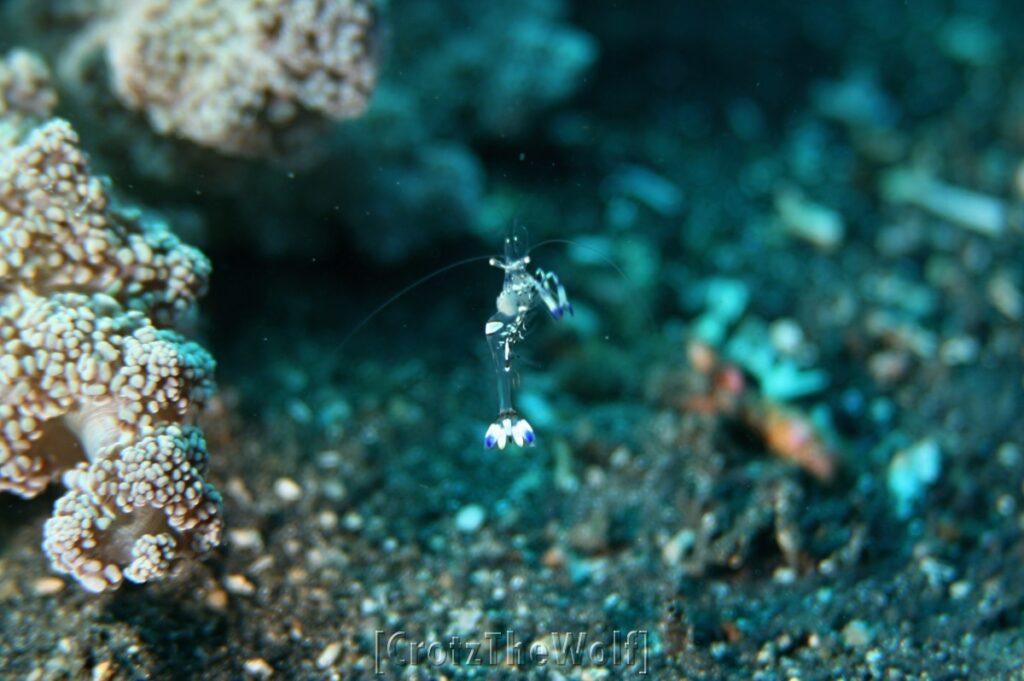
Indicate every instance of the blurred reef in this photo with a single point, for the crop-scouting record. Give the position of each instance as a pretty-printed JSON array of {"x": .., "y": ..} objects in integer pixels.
[{"x": 780, "y": 435}]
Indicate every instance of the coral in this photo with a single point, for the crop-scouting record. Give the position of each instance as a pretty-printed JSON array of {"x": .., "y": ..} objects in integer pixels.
[
  {"x": 25, "y": 86},
  {"x": 61, "y": 232},
  {"x": 243, "y": 77},
  {"x": 230, "y": 75},
  {"x": 92, "y": 392},
  {"x": 107, "y": 372},
  {"x": 136, "y": 507}
]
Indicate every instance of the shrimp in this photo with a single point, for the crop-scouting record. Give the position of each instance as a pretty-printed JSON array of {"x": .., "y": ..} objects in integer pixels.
[{"x": 521, "y": 293}]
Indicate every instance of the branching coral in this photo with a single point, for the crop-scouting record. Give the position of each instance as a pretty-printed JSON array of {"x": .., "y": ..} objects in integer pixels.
[
  {"x": 92, "y": 392},
  {"x": 231, "y": 75}
]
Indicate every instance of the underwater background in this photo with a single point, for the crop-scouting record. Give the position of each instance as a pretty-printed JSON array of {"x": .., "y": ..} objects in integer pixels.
[{"x": 245, "y": 381}]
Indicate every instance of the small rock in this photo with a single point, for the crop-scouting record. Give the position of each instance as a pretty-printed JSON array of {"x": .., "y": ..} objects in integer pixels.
[
  {"x": 786, "y": 336},
  {"x": 813, "y": 222},
  {"x": 620, "y": 456},
  {"x": 1008, "y": 454},
  {"x": 239, "y": 585},
  {"x": 245, "y": 538},
  {"x": 353, "y": 521},
  {"x": 936, "y": 572},
  {"x": 960, "y": 589},
  {"x": 590, "y": 535},
  {"x": 1005, "y": 296},
  {"x": 103, "y": 671},
  {"x": 237, "y": 490},
  {"x": 258, "y": 667},
  {"x": 889, "y": 366},
  {"x": 857, "y": 634},
  {"x": 217, "y": 599},
  {"x": 911, "y": 472},
  {"x": 327, "y": 520},
  {"x": 554, "y": 557},
  {"x": 328, "y": 459},
  {"x": 329, "y": 655},
  {"x": 261, "y": 564},
  {"x": 959, "y": 350},
  {"x": 784, "y": 575},
  {"x": 300, "y": 411},
  {"x": 594, "y": 674},
  {"x": 369, "y": 606},
  {"x": 334, "y": 490},
  {"x": 287, "y": 490},
  {"x": 674, "y": 549},
  {"x": 971, "y": 210},
  {"x": 470, "y": 518},
  {"x": 466, "y": 620}
]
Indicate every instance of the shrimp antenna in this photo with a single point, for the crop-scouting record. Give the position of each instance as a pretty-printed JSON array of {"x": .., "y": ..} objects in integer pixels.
[
  {"x": 380, "y": 308},
  {"x": 599, "y": 253}
]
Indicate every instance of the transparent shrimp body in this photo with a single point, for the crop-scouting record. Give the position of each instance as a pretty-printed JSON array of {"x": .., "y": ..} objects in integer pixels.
[{"x": 521, "y": 293}]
